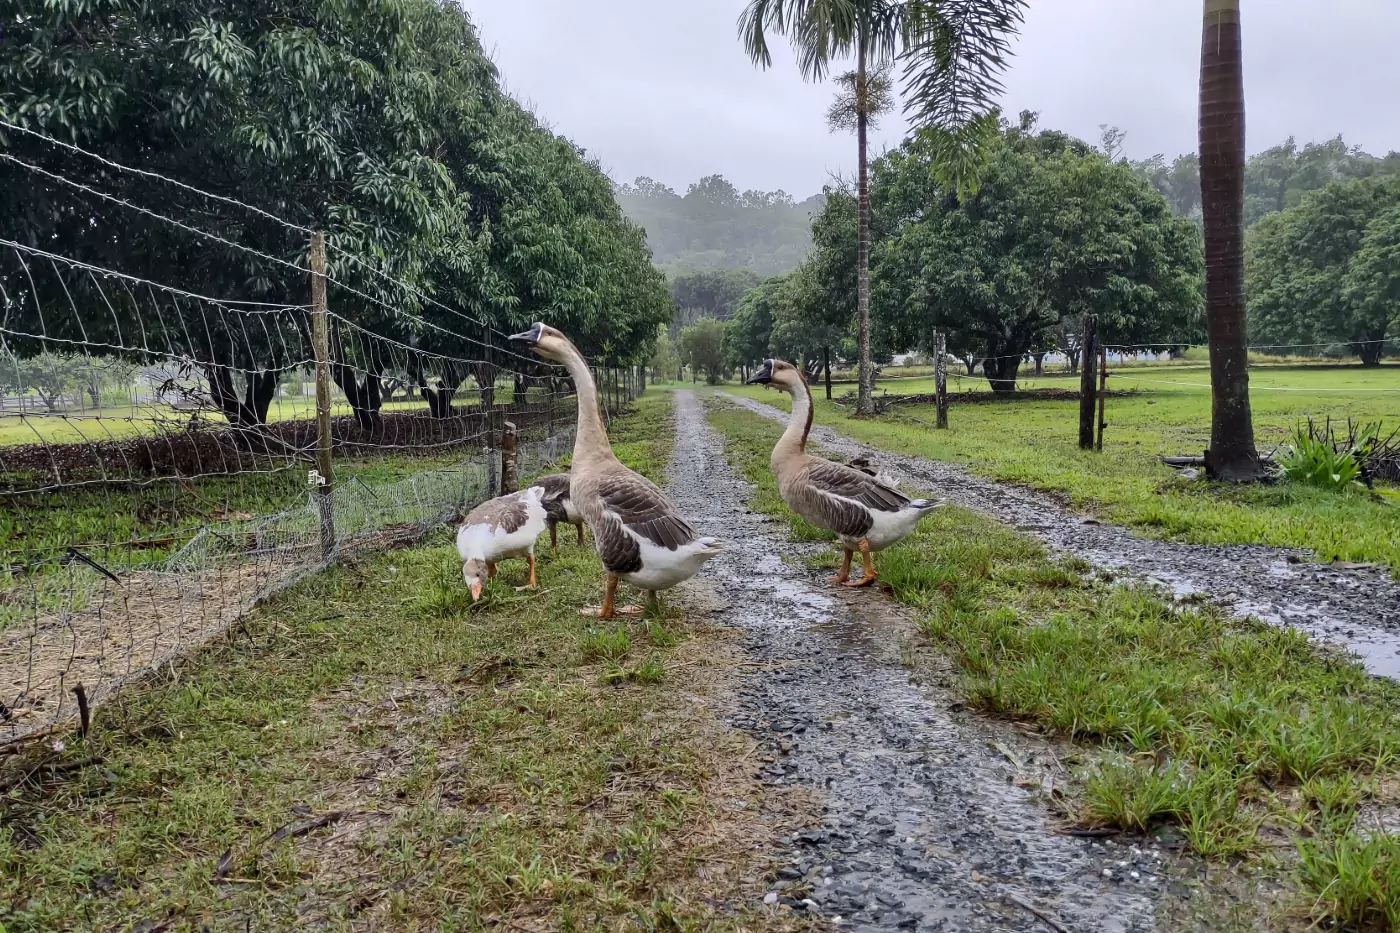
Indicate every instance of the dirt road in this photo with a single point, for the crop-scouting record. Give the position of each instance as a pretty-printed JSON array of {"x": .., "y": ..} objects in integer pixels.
[
  {"x": 931, "y": 822},
  {"x": 1357, "y": 607}
]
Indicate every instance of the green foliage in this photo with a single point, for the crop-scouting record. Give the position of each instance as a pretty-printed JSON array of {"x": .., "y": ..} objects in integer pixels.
[
  {"x": 1328, "y": 270},
  {"x": 1353, "y": 881},
  {"x": 709, "y": 294},
  {"x": 382, "y": 123},
  {"x": 1055, "y": 230},
  {"x": 1276, "y": 179},
  {"x": 702, "y": 348},
  {"x": 1314, "y": 461},
  {"x": 47, "y": 375},
  {"x": 714, "y": 227}
]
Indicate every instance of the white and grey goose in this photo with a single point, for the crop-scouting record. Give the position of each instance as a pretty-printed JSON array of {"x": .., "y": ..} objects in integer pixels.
[
  {"x": 641, "y": 537},
  {"x": 501, "y": 528},
  {"x": 559, "y": 506},
  {"x": 865, "y": 511}
]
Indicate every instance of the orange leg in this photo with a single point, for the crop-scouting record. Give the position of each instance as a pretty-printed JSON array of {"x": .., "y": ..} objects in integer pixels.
[
  {"x": 553, "y": 536},
  {"x": 533, "y": 583},
  {"x": 869, "y": 577},
  {"x": 490, "y": 571},
  {"x": 845, "y": 573},
  {"x": 579, "y": 526},
  {"x": 609, "y": 593}
]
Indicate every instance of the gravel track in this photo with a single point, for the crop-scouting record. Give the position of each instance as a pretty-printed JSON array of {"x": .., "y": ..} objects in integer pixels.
[
  {"x": 1357, "y": 607},
  {"x": 932, "y": 816}
]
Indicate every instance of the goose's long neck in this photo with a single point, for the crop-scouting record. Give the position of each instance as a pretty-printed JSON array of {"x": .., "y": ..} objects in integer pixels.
[
  {"x": 591, "y": 440},
  {"x": 794, "y": 439}
]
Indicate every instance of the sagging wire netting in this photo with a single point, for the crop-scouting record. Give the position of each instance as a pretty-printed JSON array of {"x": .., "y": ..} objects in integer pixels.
[{"x": 158, "y": 425}]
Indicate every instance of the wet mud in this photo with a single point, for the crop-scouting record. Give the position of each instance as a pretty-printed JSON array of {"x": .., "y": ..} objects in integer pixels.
[
  {"x": 935, "y": 819},
  {"x": 1354, "y": 607}
]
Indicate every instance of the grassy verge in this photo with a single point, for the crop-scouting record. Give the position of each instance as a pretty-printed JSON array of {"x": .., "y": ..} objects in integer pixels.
[
  {"x": 373, "y": 751},
  {"x": 1035, "y": 443},
  {"x": 1235, "y": 737}
]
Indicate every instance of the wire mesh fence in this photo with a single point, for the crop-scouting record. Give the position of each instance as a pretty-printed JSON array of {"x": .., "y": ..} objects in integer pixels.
[{"x": 169, "y": 458}]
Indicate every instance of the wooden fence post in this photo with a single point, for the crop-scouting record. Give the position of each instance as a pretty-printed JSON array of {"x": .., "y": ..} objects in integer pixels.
[
  {"x": 940, "y": 379},
  {"x": 1103, "y": 395},
  {"x": 508, "y": 442},
  {"x": 1089, "y": 353},
  {"x": 826, "y": 369},
  {"x": 320, "y": 346}
]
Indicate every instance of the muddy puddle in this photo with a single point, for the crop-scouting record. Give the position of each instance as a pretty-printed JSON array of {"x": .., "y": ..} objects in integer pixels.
[
  {"x": 935, "y": 820},
  {"x": 1357, "y": 608}
]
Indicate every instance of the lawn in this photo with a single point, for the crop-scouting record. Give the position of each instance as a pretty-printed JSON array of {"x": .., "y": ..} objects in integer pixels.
[
  {"x": 1035, "y": 443},
  {"x": 372, "y": 751},
  {"x": 1237, "y": 739}
]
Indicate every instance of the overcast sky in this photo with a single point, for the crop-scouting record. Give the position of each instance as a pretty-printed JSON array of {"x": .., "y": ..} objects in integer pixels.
[{"x": 662, "y": 87}]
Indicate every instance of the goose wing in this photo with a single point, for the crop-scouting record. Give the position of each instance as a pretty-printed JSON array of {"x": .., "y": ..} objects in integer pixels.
[
  {"x": 633, "y": 508},
  {"x": 556, "y": 493},
  {"x": 841, "y": 498},
  {"x": 509, "y": 513}
]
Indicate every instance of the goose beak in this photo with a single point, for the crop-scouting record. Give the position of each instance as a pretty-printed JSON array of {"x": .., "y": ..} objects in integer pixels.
[
  {"x": 476, "y": 591},
  {"x": 531, "y": 336},
  {"x": 763, "y": 376}
]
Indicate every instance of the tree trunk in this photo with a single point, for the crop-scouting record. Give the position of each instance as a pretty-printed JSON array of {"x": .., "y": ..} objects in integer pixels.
[
  {"x": 1039, "y": 363},
  {"x": 971, "y": 363},
  {"x": 1222, "y": 152},
  {"x": 865, "y": 404},
  {"x": 365, "y": 398},
  {"x": 1073, "y": 361},
  {"x": 250, "y": 410},
  {"x": 1001, "y": 373},
  {"x": 826, "y": 369},
  {"x": 1372, "y": 348}
]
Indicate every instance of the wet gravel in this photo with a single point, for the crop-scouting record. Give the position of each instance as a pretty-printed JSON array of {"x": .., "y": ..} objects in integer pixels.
[
  {"x": 1358, "y": 607},
  {"x": 935, "y": 819}
]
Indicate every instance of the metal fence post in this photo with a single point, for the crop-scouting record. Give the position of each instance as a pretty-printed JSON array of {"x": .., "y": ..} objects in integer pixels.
[
  {"x": 324, "y": 479},
  {"x": 940, "y": 379},
  {"x": 1089, "y": 353}
]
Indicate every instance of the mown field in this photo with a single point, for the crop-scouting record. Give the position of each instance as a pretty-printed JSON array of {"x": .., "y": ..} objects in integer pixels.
[
  {"x": 1271, "y": 761},
  {"x": 1036, "y": 443},
  {"x": 370, "y": 750}
]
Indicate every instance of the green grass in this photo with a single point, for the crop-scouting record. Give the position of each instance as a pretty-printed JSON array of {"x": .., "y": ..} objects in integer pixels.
[
  {"x": 480, "y": 767},
  {"x": 1232, "y": 731},
  {"x": 1035, "y": 443}
]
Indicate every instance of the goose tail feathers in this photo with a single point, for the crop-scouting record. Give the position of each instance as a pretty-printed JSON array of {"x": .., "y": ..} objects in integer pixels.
[{"x": 927, "y": 505}]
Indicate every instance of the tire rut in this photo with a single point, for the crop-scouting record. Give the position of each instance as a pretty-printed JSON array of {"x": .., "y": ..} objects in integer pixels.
[
  {"x": 927, "y": 826},
  {"x": 1357, "y": 607}
]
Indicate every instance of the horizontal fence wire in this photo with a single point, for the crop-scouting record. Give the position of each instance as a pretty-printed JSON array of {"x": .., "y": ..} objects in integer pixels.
[{"x": 159, "y": 431}]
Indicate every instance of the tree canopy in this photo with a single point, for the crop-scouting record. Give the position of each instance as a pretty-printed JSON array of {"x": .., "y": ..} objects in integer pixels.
[
  {"x": 713, "y": 294},
  {"x": 1276, "y": 179},
  {"x": 1054, "y": 230},
  {"x": 382, "y": 123},
  {"x": 714, "y": 226},
  {"x": 1328, "y": 270}
]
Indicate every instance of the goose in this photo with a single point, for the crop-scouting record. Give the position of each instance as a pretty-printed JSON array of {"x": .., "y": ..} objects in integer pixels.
[
  {"x": 499, "y": 528},
  {"x": 641, "y": 537},
  {"x": 559, "y": 507},
  {"x": 865, "y": 511}
]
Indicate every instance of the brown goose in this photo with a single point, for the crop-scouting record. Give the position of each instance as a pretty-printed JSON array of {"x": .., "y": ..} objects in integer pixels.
[
  {"x": 558, "y": 506},
  {"x": 866, "y": 511},
  {"x": 640, "y": 536},
  {"x": 506, "y": 526}
]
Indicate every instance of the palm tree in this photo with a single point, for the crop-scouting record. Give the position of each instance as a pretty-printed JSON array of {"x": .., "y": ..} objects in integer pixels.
[
  {"x": 952, "y": 52},
  {"x": 1232, "y": 455}
]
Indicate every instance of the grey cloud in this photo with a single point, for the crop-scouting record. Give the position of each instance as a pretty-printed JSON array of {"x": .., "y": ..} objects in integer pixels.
[{"x": 662, "y": 88}]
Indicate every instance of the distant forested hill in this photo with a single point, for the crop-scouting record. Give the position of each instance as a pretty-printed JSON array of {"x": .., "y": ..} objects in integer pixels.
[
  {"x": 1275, "y": 179},
  {"x": 715, "y": 226}
]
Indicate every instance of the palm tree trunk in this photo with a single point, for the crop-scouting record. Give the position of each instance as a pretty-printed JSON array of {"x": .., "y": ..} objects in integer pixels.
[
  {"x": 1232, "y": 455},
  {"x": 864, "y": 395}
]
